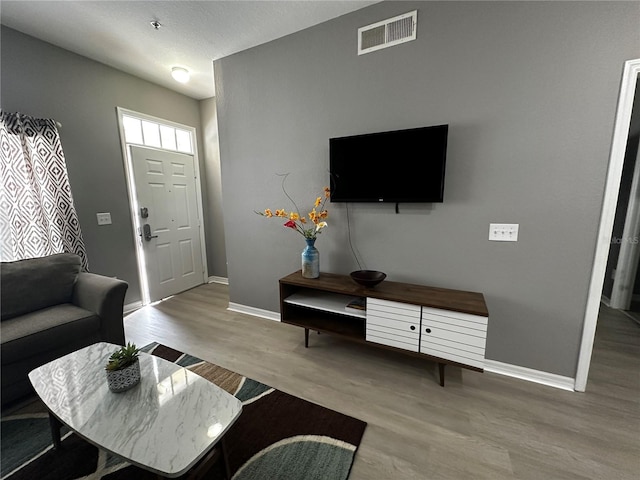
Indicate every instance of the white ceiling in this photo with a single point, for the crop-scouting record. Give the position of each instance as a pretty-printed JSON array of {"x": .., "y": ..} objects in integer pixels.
[{"x": 193, "y": 33}]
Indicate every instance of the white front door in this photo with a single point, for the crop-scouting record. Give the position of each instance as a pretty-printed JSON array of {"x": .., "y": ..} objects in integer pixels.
[{"x": 168, "y": 217}]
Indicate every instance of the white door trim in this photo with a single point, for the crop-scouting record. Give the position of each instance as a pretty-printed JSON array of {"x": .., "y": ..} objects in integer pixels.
[
  {"x": 607, "y": 215},
  {"x": 128, "y": 168}
]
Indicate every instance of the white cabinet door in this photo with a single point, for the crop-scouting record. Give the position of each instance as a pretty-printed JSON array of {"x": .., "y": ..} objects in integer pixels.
[
  {"x": 393, "y": 323},
  {"x": 459, "y": 337}
]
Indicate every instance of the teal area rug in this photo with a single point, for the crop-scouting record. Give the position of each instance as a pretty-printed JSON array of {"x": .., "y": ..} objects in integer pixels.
[{"x": 277, "y": 437}]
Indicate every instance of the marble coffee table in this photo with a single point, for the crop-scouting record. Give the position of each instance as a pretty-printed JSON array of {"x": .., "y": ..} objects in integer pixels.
[{"x": 167, "y": 424}]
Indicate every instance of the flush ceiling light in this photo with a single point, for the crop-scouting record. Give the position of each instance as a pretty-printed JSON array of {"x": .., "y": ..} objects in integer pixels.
[{"x": 180, "y": 74}]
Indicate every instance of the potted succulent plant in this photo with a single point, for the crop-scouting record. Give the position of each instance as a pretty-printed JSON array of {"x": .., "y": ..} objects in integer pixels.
[{"x": 123, "y": 368}]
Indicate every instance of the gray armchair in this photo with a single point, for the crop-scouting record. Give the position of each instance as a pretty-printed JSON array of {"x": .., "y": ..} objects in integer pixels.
[{"x": 50, "y": 308}]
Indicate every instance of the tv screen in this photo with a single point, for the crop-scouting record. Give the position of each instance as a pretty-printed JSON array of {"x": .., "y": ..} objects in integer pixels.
[{"x": 395, "y": 166}]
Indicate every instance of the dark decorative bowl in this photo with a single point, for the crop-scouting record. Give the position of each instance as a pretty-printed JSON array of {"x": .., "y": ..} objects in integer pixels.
[{"x": 368, "y": 278}]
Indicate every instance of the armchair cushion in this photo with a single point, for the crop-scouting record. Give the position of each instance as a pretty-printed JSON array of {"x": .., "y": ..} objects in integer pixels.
[
  {"x": 36, "y": 283},
  {"x": 43, "y": 329}
]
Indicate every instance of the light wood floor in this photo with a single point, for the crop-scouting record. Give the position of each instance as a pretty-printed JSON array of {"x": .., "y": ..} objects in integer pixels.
[
  {"x": 480, "y": 426},
  {"x": 634, "y": 312}
]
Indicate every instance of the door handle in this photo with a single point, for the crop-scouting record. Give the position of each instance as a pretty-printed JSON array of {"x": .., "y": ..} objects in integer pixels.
[{"x": 146, "y": 232}]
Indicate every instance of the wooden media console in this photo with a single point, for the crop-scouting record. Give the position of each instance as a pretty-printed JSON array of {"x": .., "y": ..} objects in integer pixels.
[{"x": 443, "y": 325}]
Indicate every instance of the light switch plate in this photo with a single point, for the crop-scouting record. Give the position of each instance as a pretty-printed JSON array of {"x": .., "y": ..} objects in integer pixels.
[
  {"x": 503, "y": 232},
  {"x": 104, "y": 218}
]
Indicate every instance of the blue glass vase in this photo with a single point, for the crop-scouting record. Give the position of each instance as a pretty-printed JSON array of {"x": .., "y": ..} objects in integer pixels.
[{"x": 310, "y": 259}]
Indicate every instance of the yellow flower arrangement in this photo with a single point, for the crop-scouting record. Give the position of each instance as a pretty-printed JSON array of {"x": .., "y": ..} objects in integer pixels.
[{"x": 309, "y": 226}]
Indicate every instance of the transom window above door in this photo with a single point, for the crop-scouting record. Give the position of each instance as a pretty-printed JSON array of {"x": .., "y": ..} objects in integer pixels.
[{"x": 152, "y": 134}]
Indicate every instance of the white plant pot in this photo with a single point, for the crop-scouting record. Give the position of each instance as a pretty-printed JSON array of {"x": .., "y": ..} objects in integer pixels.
[{"x": 122, "y": 380}]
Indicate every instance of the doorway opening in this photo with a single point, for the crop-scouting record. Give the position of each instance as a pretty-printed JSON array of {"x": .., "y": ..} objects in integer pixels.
[
  {"x": 165, "y": 199},
  {"x": 630, "y": 75},
  {"x": 621, "y": 284}
]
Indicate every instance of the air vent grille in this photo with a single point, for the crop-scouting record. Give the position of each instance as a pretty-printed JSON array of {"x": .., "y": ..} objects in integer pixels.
[
  {"x": 387, "y": 33},
  {"x": 373, "y": 37}
]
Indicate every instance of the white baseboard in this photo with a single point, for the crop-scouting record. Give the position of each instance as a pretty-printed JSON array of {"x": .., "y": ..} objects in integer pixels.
[
  {"x": 605, "y": 300},
  {"x": 536, "y": 376},
  {"x": 223, "y": 280},
  {"x": 256, "y": 312},
  {"x": 528, "y": 374},
  {"x": 132, "y": 307}
]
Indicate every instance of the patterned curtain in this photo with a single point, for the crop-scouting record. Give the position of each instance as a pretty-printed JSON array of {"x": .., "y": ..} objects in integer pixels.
[{"x": 37, "y": 216}]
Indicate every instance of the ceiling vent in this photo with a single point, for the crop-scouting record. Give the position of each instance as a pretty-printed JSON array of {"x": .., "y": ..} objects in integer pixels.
[{"x": 387, "y": 33}]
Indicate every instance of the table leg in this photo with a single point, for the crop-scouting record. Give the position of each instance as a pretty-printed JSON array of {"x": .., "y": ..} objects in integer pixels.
[
  {"x": 55, "y": 425},
  {"x": 306, "y": 338},
  {"x": 225, "y": 459},
  {"x": 441, "y": 371},
  {"x": 203, "y": 467}
]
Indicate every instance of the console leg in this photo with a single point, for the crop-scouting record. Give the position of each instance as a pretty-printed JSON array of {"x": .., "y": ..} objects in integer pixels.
[
  {"x": 55, "y": 425},
  {"x": 306, "y": 338},
  {"x": 441, "y": 371}
]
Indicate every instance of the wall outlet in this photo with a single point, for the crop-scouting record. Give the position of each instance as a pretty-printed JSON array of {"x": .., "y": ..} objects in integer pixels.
[
  {"x": 503, "y": 232},
  {"x": 104, "y": 218}
]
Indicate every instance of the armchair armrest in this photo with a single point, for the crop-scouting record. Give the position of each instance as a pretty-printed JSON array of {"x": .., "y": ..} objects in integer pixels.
[{"x": 104, "y": 296}]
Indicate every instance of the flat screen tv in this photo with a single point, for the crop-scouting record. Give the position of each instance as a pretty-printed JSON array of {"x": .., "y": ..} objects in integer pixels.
[{"x": 396, "y": 166}]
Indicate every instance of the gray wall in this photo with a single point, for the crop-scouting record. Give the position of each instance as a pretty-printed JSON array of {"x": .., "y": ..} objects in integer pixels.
[
  {"x": 529, "y": 91},
  {"x": 42, "y": 80}
]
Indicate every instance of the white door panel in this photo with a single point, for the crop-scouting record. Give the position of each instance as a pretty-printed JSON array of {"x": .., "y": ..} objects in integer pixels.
[{"x": 165, "y": 185}]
